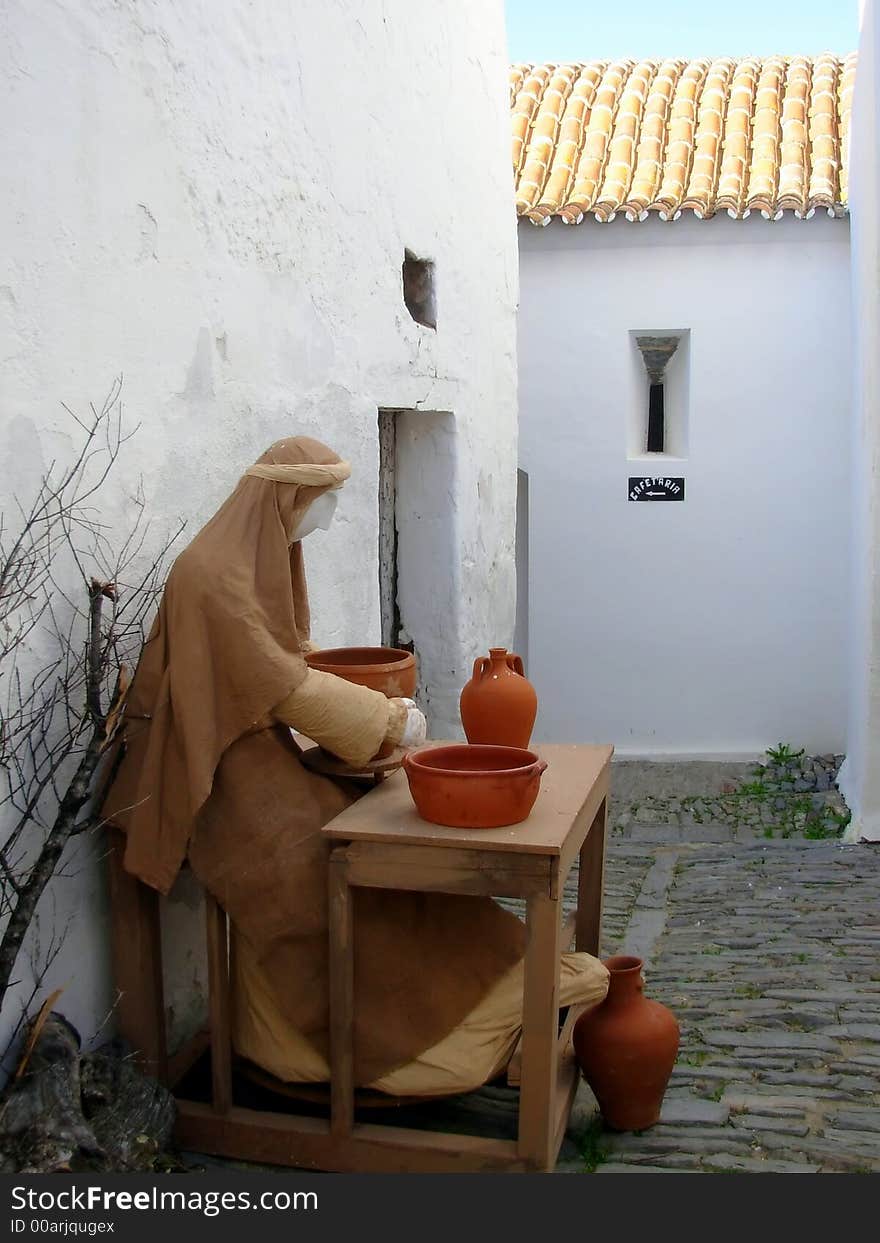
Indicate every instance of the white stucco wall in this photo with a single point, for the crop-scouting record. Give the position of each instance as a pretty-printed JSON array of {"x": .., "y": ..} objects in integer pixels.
[
  {"x": 860, "y": 776},
  {"x": 714, "y": 626},
  {"x": 214, "y": 200}
]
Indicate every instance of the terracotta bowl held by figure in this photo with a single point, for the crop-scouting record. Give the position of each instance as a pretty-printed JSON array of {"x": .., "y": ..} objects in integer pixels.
[
  {"x": 391, "y": 670},
  {"x": 474, "y": 787}
]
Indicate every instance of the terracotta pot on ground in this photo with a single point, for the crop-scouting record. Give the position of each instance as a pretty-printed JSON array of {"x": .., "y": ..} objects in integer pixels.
[
  {"x": 626, "y": 1048},
  {"x": 499, "y": 705},
  {"x": 474, "y": 787}
]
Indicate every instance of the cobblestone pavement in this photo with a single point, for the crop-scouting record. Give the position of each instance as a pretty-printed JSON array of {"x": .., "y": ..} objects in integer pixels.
[{"x": 767, "y": 952}]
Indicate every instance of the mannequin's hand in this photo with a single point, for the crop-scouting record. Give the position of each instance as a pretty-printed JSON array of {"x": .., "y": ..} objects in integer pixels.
[{"x": 416, "y": 729}]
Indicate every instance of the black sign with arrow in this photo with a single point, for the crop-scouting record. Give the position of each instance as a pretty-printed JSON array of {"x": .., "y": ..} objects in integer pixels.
[{"x": 656, "y": 488}]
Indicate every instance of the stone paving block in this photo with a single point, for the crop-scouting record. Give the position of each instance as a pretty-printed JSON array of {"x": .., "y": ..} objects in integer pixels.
[
  {"x": 864, "y": 1014},
  {"x": 864, "y": 1060},
  {"x": 770, "y": 1106},
  {"x": 761, "y": 1058},
  {"x": 857, "y": 1031},
  {"x": 698, "y": 1074},
  {"x": 693, "y": 1111},
  {"x": 755, "y": 1165},
  {"x": 863, "y": 1120},
  {"x": 654, "y": 834},
  {"x": 754, "y": 1122},
  {"x": 570, "y": 1167},
  {"x": 799, "y": 1078},
  {"x": 858, "y": 1084},
  {"x": 691, "y": 832},
  {"x": 680, "y": 1140},
  {"x": 617, "y": 1167},
  {"x": 855, "y": 1141},
  {"x": 584, "y": 1110},
  {"x": 768, "y": 1040},
  {"x": 681, "y": 1162},
  {"x": 831, "y": 1155}
]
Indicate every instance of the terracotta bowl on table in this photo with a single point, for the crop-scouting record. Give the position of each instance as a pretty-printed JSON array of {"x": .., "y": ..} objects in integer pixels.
[
  {"x": 474, "y": 786},
  {"x": 391, "y": 670}
]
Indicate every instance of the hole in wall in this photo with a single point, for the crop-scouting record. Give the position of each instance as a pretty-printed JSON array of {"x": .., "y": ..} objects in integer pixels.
[{"x": 418, "y": 289}]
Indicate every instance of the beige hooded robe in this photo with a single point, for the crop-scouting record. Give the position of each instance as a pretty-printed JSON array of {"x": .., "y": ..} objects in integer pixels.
[{"x": 206, "y": 773}]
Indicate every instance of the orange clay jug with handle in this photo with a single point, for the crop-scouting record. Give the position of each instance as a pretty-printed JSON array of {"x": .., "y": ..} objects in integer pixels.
[{"x": 499, "y": 704}]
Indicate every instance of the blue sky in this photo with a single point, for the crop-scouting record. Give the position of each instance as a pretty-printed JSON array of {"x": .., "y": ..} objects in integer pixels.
[{"x": 539, "y": 30}]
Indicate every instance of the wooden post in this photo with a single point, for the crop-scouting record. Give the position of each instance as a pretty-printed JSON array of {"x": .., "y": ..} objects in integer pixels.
[
  {"x": 591, "y": 885},
  {"x": 137, "y": 962},
  {"x": 537, "y": 1101},
  {"x": 217, "y": 931},
  {"x": 341, "y": 978}
]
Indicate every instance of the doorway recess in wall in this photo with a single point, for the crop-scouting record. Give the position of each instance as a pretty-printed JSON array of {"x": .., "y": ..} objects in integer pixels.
[
  {"x": 417, "y": 538},
  {"x": 418, "y": 289},
  {"x": 658, "y": 424}
]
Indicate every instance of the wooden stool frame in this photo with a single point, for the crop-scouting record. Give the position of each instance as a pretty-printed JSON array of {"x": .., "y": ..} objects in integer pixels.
[{"x": 544, "y": 1062}]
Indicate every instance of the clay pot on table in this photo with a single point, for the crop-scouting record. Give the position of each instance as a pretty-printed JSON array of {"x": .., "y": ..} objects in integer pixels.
[
  {"x": 626, "y": 1048},
  {"x": 499, "y": 705},
  {"x": 474, "y": 787}
]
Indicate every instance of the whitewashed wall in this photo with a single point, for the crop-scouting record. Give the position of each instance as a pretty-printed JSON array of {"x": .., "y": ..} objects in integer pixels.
[
  {"x": 214, "y": 200},
  {"x": 718, "y": 625},
  {"x": 860, "y": 776}
]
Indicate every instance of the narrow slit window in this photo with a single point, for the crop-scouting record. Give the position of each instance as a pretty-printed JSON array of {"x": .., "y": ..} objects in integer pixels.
[
  {"x": 656, "y": 425},
  {"x": 656, "y": 352}
]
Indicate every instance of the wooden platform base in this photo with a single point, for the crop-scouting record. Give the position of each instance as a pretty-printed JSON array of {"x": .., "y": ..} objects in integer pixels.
[
  {"x": 320, "y": 761},
  {"x": 302, "y": 1142}
]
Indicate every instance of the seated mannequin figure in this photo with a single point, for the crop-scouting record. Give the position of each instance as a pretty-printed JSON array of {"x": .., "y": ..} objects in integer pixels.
[{"x": 208, "y": 771}]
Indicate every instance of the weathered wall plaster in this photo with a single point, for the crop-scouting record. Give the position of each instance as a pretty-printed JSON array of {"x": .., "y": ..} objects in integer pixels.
[
  {"x": 718, "y": 625},
  {"x": 860, "y": 775},
  {"x": 215, "y": 200}
]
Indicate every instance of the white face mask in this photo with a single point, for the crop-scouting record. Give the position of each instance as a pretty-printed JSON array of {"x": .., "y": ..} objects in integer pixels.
[{"x": 318, "y": 516}]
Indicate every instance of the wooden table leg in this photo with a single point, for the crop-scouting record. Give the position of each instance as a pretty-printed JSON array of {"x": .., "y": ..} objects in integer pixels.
[
  {"x": 591, "y": 885},
  {"x": 217, "y": 927},
  {"x": 341, "y": 979},
  {"x": 137, "y": 962},
  {"x": 537, "y": 1099}
]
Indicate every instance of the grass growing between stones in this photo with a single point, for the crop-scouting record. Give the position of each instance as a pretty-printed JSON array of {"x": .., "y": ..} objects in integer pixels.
[{"x": 593, "y": 1144}]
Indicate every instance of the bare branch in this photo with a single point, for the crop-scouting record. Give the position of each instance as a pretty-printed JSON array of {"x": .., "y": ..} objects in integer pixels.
[{"x": 66, "y": 652}]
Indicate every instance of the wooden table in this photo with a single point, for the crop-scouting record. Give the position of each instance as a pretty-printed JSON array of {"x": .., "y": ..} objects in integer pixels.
[{"x": 381, "y": 842}]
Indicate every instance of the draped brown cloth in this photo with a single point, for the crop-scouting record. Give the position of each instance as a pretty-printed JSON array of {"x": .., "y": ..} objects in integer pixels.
[{"x": 205, "y": 772}]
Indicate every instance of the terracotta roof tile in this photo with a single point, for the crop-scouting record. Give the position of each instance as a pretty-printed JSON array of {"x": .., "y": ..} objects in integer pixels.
[{"x": 600, "y": 137}]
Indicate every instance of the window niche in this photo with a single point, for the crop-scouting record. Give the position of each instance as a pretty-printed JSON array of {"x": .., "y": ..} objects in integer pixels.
[
  {"x": 659, "y": 417},
  {"x": 418, "y": 289}
]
